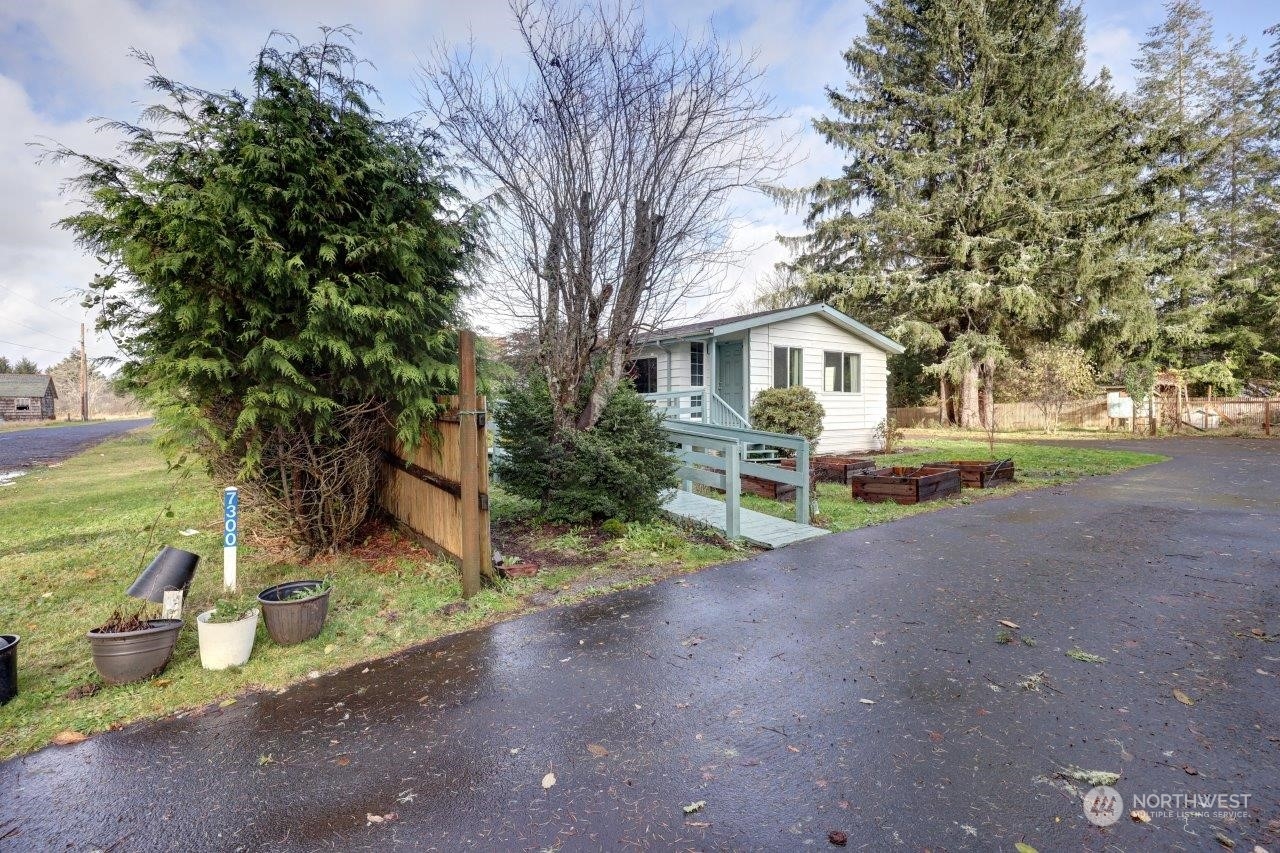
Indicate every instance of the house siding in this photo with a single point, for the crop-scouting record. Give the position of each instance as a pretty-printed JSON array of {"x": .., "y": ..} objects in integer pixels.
[{"x": 851, "y": 419}]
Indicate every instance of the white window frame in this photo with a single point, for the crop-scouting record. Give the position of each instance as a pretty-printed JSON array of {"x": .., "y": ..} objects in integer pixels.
[
  {"x": 794, "y": 368},
  {"x": 846, "y": 377}
]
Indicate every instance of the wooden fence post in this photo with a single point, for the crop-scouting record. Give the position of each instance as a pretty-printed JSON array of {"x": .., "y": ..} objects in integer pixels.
[
  {"x": 468, "y": 435},
  {"x": 1266, "y": 417}
]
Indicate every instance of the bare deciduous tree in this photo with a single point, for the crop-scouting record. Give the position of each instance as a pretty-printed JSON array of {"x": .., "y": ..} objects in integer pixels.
[{"x": 612, "y": 159}]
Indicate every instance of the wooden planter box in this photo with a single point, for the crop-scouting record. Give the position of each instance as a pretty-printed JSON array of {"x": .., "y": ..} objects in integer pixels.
[
  {"x": 980, "y": 475},
  {"x": 778, "y": 491},
  {"x": 838, "y": 469},
  {"x": 906, "y": 485}
]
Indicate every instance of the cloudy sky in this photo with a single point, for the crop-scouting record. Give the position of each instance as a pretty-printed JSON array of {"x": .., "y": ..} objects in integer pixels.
[{"x": 64, "y": 61}]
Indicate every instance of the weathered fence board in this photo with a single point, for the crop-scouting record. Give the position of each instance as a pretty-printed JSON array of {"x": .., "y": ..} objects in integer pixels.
[
  {"x": 423, "y": 490},
  {"x": 1246, "y": 412}
]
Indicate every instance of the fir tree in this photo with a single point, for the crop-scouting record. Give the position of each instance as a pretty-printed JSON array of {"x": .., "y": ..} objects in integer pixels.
[
  {"x": 991, "y": 195},
  {"x": 1178, "y": 102}
]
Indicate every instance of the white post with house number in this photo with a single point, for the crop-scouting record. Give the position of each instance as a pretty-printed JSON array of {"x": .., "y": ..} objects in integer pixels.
[{"x": 230, "y": 535}]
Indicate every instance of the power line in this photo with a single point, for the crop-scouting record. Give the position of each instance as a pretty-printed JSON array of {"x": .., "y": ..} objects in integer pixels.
[
  {"x": 37, "y": 304},
  {"x": 29, "y": 346},
  {"x": 42, "y": 332}
]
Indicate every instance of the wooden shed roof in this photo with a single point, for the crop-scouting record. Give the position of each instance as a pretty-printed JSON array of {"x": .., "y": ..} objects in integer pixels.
[{"x": 25, "y": 385}]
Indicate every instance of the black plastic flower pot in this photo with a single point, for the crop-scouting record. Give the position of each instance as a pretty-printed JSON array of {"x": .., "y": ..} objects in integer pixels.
[
  {"x": 296, "y": 621},
  {"x": 134, "y": 655},
  {"x": 172, "y": 569},
  {"x": 8, "y": 667}
]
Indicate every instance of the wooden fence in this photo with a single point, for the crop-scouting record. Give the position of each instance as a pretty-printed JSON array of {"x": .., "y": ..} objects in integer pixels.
[
  {"x": 441, "y": 490},
  {"x": 1248, "y": 413}
]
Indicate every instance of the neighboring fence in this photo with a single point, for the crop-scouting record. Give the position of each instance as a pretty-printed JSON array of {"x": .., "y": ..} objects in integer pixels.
[
  {"x": 1092, "y": 414},
  {"x": 441, "y": 492}
]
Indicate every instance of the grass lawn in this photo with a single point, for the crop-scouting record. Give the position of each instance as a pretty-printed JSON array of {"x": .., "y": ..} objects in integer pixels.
[
  {"x": 1036, "y": 465},
  {"x": 76, "y": 535}
]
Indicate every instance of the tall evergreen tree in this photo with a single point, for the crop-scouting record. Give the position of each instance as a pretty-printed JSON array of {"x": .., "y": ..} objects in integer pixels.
[
  {"x": 991, "y": 194},
  {"x": 1181, "y": 100}
]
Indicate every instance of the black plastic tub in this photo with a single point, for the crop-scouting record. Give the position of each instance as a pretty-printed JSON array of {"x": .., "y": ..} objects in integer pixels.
[
  {"x": 134, "y": 655},
  {"x": 172, "y": 569},
  {"x": 8, "y": 667},
  {"x": 293, "y": 622}
]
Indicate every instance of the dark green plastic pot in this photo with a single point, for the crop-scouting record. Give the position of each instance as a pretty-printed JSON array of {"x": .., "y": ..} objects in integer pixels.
[
  {"x": 293, "y": 622},
  {"x": 134, "y": 655}
]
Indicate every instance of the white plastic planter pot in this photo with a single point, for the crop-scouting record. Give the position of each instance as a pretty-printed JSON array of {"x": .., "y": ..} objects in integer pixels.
[{"x": 224, "y": 644}]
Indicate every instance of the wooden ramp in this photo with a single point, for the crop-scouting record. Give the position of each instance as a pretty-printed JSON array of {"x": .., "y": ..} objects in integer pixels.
[{"x": 758, "y": 528}]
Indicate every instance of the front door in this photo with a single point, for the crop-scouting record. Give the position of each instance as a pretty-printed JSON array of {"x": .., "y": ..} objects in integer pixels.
[{"x": 729, "y": 384}]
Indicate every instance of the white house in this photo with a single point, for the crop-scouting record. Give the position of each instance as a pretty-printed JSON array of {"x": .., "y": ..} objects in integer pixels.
[{"x": 713, "y": 369}]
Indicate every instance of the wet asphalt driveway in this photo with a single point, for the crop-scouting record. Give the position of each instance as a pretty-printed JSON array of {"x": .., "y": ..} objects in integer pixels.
[
  {"x": 743, "y": 686},
  {"x": 23, "y": 448}
]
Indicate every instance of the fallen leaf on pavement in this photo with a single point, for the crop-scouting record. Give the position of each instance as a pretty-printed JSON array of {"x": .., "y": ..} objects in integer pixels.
[
  {"x": 1089, "y": 777},
  {"x": 1189, "y": 770},
  {"x": 1024, "y": 848},
  {"x": 1014, "y": 625},
  {"x": 374, "y": 818},
  {"x": 697, "y": 823},
  {"x": 695, "y": 807},
  {"x": 1224, "y": 841},
  {"x": 936, "y": 737},
  {"x": 1183, "y": 698},
  {"x": 1085, "y": 657},
  {"x": 867, "y": 701},
  {"x": 597, "y": 750},
  {"x": 838, "y": 838},
  {"x": 226, "y": 703},
  {"x": 342, "y": 761},
  {"x": 1139, "y": 816},
  {"x": 549, "y": 780},
  {"x": 1257, "y": 632},
  {"x": 68, "y": 737}
]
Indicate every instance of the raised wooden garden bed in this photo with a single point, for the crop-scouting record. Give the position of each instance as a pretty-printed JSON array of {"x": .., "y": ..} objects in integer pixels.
[
  {"x": 976, "y": 474},
  {"x": 906, "y": 485},
  {"x": 838, "y": 469},
  {"x": 774, "y": 490}
]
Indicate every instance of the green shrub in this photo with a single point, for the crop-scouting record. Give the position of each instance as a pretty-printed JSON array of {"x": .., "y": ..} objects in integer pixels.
[
  {"x": 616, "y": 470},
  {"x": 794, "y": 411},
  {"x": 615, "y": 527}
]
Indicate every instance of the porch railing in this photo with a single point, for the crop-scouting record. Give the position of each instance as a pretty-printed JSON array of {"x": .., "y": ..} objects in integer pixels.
[
  {"x": 697, "y": 404},
  {"x": 695, "y": 441}
]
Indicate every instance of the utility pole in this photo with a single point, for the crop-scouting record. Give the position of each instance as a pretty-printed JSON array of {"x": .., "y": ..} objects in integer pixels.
[{"x": 84, "y": 378}]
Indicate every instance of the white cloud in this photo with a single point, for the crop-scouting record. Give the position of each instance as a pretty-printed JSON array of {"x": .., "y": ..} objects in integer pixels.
[{"x": 1112, "y": 46}]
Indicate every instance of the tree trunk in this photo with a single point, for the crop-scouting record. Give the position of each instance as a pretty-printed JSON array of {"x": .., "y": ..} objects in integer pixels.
[
  {"x": 969, "y": 416},
  {"x": 944, "y": 402},
  {"x": 987, "y": 400}
]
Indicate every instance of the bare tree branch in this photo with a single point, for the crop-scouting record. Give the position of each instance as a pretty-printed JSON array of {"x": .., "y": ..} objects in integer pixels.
[{"x": 611, "y": 165}]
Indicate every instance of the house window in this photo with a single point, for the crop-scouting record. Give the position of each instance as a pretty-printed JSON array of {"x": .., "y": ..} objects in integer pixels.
[
  {"x": 842, "y": 372},
  {"x": 22, "y": 404},
  {"x": 644, "y": 373},
  {"x": 788, "y": 367},
  {"x": 696, "y": 354}
]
